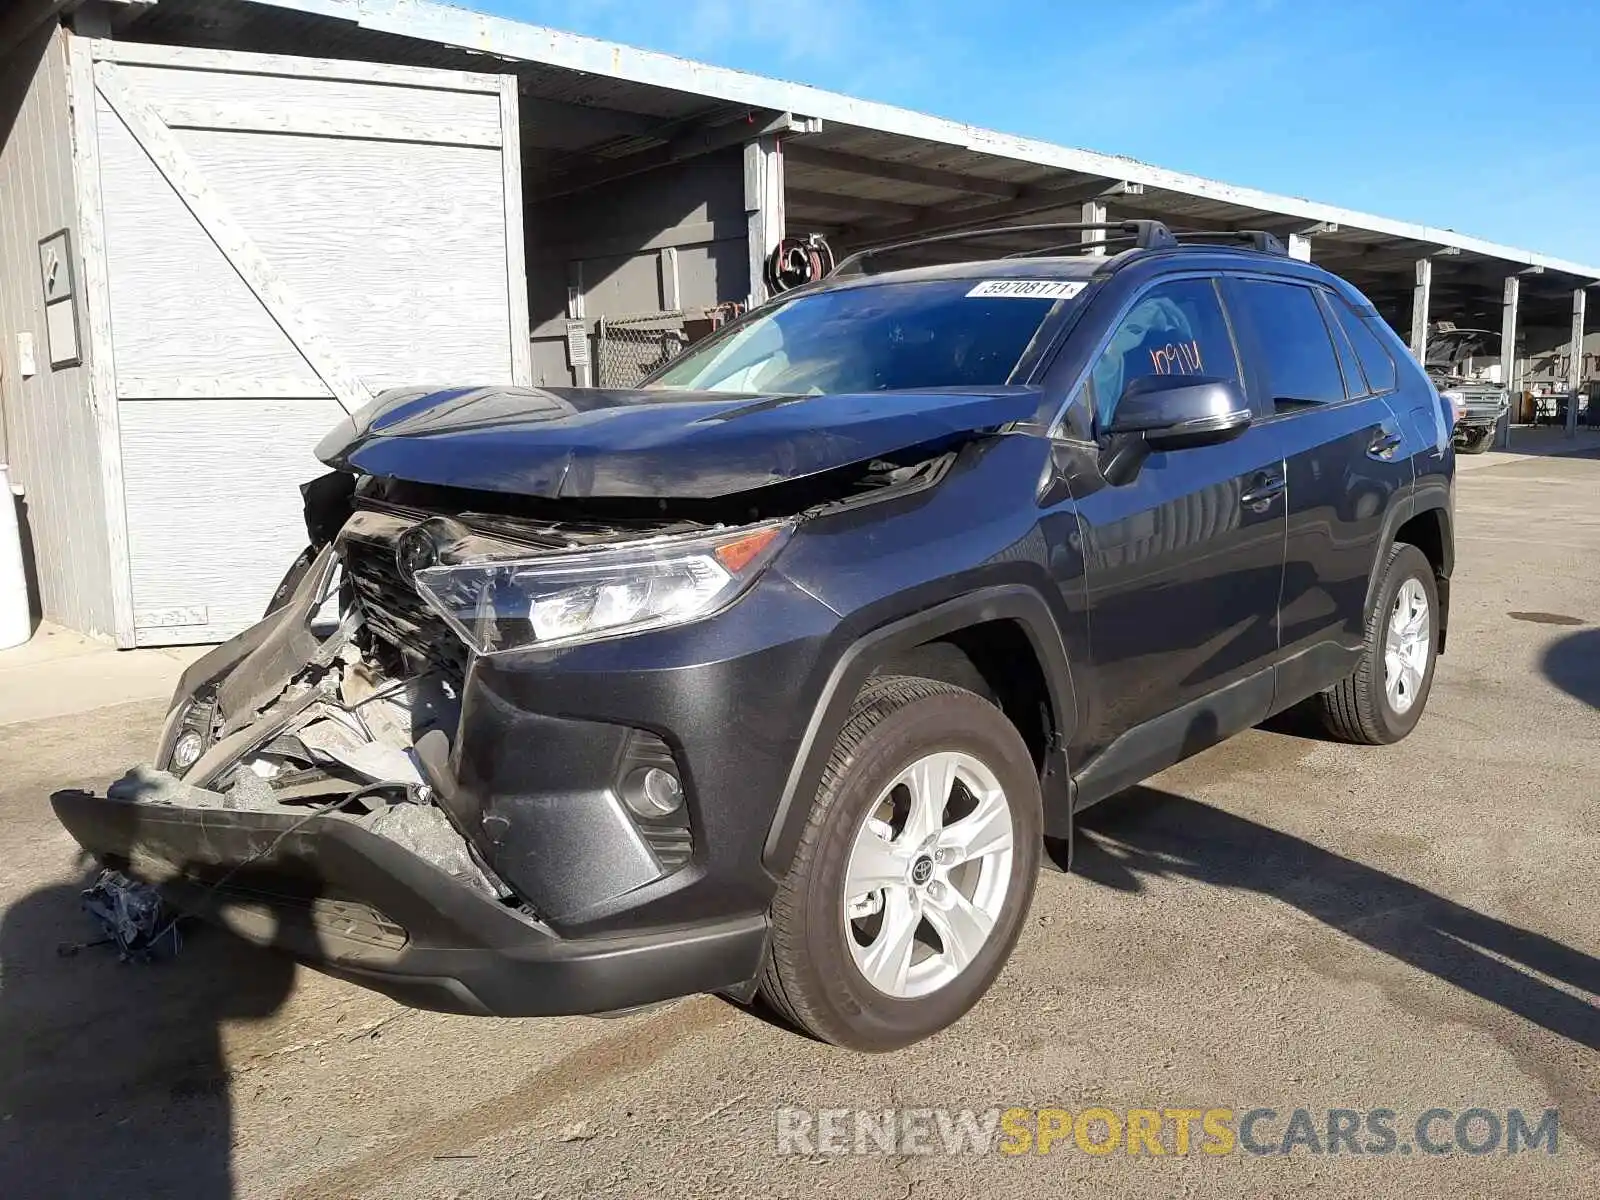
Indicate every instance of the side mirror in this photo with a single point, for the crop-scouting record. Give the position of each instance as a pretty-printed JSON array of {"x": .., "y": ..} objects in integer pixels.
[{"x": 1177, "y": 412}]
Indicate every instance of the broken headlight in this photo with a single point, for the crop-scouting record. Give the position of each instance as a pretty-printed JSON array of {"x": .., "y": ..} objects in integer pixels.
[
  {"x": 566, "y": 598},
  {"x": 189, "y": 730}
]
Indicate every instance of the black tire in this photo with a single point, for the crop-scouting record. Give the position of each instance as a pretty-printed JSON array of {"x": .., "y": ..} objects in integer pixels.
[
  {"x": 810, "y": 977},
  {"x": 1357, "y": 709},
  {"x": 1475, "y": 443}
]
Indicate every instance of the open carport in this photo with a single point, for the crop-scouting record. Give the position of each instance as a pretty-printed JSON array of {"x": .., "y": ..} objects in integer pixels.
[{"x": 375, "y": 189}]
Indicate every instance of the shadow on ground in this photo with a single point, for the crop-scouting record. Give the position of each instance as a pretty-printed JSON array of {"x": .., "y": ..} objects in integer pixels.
[
  {"x": 112, "y": 1081},
  {"x": 1147, "y": 833},
  {"x": 1573, "y": 665}
]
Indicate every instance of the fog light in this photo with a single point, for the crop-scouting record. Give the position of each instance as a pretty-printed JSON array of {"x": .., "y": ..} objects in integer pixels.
[
  {"x": 186, "y": 751},
  {"x": 653, "y": 793}
]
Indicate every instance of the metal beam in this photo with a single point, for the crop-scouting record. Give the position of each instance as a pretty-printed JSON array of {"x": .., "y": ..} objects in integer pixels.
[
  {"x": 1575, "y": 359},
  {"x": 1094, "y": 212},
  {"x": 627, "y": 243},
  {"x": 691, "y": 144},
  {"x": 580, "y": 125},
  {"x": 1509, "y": 374},
  {"x": 764, "y": 210},
  {"x": 880, "y": 168},
  {"x": 1284, "y": 226},
  {"x": 828, "y": 202},
  {"x": 1419, "y": 309},
  {"x": 1034, "y": 199},
  {"x": 1398, "y": 261}
]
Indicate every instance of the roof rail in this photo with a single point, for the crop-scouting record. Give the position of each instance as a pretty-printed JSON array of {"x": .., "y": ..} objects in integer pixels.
[
  {"x": 1256, "y": 239},
  {"x": 1141, "y": 235}
]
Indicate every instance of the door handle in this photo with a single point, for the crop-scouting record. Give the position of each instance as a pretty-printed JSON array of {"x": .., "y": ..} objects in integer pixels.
[
  {"x": 1263, "y": 490},
  {"x": 1384, "y": 443}
]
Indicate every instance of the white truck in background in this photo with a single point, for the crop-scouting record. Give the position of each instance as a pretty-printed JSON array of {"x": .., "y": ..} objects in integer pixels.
[{"x": 1479, "y": 395}]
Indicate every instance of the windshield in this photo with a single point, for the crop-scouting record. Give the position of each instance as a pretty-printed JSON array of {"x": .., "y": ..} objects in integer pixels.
[{"x": 883, "y": 337}]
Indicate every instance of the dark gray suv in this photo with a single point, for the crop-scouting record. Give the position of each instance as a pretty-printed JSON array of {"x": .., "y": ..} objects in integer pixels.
[{"x": 773, "y": 675}]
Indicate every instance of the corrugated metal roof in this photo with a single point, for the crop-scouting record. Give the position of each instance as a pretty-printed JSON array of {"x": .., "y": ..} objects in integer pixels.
[{"x": 986, "y": 174}]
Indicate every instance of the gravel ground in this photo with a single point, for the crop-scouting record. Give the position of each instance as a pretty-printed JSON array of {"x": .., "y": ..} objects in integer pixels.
[{"x": 1279, "y": 923}]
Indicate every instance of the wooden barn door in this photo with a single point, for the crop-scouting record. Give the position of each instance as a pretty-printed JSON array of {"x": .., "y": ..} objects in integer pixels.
[{"x": 269, "y": 241}]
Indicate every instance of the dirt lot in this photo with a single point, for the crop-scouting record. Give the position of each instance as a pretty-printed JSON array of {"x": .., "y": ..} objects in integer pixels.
[{"x": 1280, "y": 923}]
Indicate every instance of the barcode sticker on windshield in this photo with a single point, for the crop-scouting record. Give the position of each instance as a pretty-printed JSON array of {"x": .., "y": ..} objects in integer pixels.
[{"x": 1029, "y": 289}]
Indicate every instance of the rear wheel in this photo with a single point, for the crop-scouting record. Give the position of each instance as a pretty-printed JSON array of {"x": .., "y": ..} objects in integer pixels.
[
  {"x": 915, "y": 871},
  {"x": 1383, "y": 700}
]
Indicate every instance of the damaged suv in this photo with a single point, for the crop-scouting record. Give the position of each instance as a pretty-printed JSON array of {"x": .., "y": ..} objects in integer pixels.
[{"x": 774, "y": 675}]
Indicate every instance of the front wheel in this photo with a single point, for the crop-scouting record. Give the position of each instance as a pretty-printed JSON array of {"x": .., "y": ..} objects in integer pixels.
[
  {"x": 915, "y": 871},
  {"x": 1474, "y": 441},
  {"x": 1382, "y": 701}
]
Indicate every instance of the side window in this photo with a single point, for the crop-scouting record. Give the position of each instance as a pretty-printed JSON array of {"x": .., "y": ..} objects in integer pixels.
[
  {"x": 1175, "y": 328},
  {"x": 1296, "y": 348},
  {"x": 1376, "y": 361},
  {"x": 1355, "y": 383}
]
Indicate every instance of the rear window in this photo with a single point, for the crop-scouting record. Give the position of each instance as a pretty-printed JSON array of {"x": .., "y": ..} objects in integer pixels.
[
  {"x": 1300, "y": 362},
  {"x": 1355, "y": 383},
  {"x": 882, "y": 337},
  {"x": 1376, "y": 361}
]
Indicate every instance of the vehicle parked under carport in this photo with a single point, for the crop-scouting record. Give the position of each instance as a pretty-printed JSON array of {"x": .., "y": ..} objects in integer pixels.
[
  {"x": 775, "y": 674},
  {"x": 1478, "y": 401}
]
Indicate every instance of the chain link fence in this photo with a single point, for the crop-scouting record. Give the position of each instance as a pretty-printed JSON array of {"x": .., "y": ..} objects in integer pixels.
[{"x": 628, "y": 348}]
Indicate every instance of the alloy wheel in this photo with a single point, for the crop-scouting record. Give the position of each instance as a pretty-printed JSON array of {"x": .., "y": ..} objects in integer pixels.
[
  {"x": 928, "y": 874},
  {"x": 1408, "y": 643}
]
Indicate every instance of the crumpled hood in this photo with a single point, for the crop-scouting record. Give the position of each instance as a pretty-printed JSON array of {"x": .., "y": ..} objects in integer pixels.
[{"x": 578, "y": 442}]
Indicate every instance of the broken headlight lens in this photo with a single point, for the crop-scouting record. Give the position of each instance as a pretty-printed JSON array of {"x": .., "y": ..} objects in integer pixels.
[{"x": 566, "y": 598}]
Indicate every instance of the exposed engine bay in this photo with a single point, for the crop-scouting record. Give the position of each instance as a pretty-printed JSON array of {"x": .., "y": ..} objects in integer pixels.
[
  {"x": 338, "y": 737},
  {"x": 324, "y": 715},
  {"x": 321, "y": 709}
]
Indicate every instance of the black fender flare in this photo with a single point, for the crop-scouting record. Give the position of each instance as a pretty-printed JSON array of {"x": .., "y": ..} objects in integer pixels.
[
  {"x": 1412, "y": 506},
  {"x": 1016, "y": 602}
]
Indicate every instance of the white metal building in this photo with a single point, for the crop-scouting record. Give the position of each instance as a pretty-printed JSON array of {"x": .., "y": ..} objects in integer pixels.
[{"x": 226, "y": 222}]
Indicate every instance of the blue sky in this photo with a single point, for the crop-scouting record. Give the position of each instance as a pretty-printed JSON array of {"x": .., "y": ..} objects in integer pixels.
[{"x": 1472, "y": 115}]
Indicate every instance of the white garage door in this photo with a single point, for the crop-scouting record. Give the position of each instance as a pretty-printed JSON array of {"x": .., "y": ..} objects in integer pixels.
[{"x": 278, "y": 239}]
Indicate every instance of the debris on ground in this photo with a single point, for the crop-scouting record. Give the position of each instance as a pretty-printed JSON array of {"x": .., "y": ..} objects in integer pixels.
[{"x": 133, "y": 916}]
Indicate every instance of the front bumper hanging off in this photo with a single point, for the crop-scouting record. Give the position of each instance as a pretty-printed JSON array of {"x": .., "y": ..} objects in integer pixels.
[
  {"x": 577, "y": 906},
  {"x": 360, "y": 906}
]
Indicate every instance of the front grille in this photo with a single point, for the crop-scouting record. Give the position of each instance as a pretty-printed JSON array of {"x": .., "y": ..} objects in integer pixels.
[
  {"x": 395, "y": 613},
  {"x": 1481, "y": 401}
]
